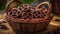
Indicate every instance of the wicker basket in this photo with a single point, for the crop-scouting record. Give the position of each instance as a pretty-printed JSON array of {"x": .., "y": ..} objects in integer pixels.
[{"x": 29, "y": 24}]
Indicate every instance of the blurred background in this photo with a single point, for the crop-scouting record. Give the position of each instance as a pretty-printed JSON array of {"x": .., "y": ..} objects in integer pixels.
[{"x": 55, "y": 22}]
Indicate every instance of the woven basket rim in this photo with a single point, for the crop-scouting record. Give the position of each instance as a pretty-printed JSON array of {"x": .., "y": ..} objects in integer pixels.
[{"x": 26, "y": 20}]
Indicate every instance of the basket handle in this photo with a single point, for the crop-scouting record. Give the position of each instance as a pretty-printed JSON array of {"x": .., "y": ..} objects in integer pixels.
[
  {"x": 9, "y": 3},
  {"x": 47, "y": 3}
]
